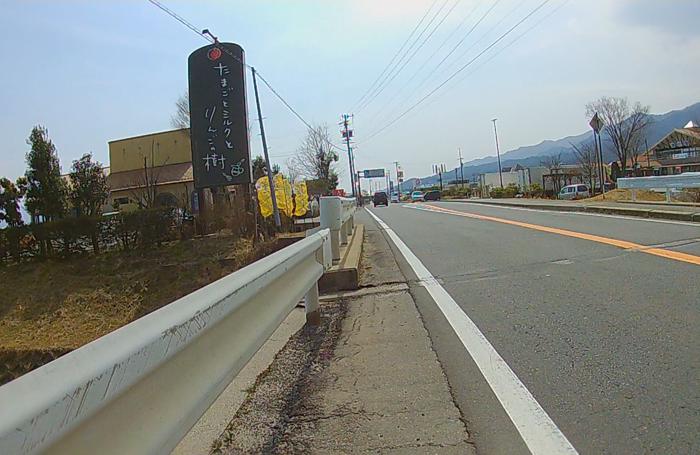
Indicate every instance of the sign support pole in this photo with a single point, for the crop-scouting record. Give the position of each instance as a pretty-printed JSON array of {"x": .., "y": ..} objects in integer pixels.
[{"x": 270, "y": 178}]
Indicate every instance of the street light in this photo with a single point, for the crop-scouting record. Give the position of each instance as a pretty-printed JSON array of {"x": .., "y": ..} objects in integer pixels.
[{"x": 498, "y": 151}]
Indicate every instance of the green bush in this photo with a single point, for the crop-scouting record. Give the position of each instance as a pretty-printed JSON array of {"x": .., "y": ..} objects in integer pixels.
[
  {"x": 497, "y": 193},
  {"x": 536, "y": 190},
  {"x": 69, "y": 236},
  {"x": 511, "y": 190}
]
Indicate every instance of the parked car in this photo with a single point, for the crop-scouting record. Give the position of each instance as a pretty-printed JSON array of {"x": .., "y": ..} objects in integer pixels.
[
  {"x": 417, "y": 196},
  {"x": 380, "y": 198},
  {"x": 433, "y": 195},
  {"x": 394, "y": 198},
  {"x": 570, "y": 192}
]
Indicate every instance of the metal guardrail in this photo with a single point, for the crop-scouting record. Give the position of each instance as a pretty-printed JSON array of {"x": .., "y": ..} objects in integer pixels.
[
  {"x": 139, "y": 389},
  {"x": 666, "y": 182},
  {"x": 337, "y": 215}
]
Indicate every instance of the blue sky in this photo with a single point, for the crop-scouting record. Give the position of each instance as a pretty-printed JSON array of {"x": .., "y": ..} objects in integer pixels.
[{"x": 96, "y": 71}]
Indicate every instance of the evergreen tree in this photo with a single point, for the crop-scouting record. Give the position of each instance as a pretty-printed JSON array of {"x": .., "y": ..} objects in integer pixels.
[
  {"x": 46, "y": 190},
  {"x": 89, "y": 189},
  {"x": 10, "y": 196}
]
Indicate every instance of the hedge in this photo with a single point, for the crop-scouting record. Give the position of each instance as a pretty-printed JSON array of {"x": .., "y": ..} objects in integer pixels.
[{"x": 70, "y": 236}]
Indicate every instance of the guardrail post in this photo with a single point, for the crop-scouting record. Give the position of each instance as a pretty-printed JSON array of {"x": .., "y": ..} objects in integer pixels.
[
  {"x": 311, "y": 302},
  {"x": 634, "y": 195},
  {"x": 668, "y": 195},
  {"x": 331, "y": 208},
  {"x": 351, "y": 224},
  {"x": 344, "y": 234}
]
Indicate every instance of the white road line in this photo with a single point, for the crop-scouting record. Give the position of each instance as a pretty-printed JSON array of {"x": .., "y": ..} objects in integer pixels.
[
  {"x": 537, "y": 429},
  {"x": 570, "y": 213}
]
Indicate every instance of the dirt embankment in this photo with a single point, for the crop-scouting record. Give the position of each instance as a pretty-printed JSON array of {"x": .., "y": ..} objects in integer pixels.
[{"x": 50, "y": 308}]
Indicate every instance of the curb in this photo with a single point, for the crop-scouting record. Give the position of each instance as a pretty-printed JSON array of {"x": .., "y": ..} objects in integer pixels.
[
  {"x": 626, "y": 211},
  {"x": 345, "y": 276}
]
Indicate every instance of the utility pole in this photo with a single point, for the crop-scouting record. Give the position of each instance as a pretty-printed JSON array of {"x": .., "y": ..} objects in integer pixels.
[
  {"x": 461, "y": 168},
  {"x": 597, "y": 124},
  {"x": 498, "y": 151},
  {"x": 346, "y": 133},
  {"x": 398, "y": 180},
  {"x": 439, "y": 169},
  {"x": 270, "y": 178}
]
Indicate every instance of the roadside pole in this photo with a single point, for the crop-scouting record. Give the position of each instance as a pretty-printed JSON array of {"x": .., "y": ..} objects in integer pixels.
[
  {"x": 461, "y": 168},
  {"x": 270, "y": 178},
  {"x": 346, "y": 133},
  {"x": 596, "y": 124},
  {"x": 498, "y": 152},
  {"x": 398, "y": 180}
]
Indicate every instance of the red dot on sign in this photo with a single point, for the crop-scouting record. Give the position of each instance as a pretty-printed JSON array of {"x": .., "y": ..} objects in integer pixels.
[{"x": 214, "y": 54}]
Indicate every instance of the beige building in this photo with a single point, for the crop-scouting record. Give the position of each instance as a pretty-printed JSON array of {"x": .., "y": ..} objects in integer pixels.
[{"x": 151, "y": 169}]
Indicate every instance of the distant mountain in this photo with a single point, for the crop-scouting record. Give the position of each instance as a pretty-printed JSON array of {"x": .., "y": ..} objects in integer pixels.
[{"x": 532, "y": 155}]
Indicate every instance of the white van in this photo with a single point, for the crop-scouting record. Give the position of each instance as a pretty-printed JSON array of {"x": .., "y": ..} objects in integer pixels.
[{"x": 574, "y": 192}]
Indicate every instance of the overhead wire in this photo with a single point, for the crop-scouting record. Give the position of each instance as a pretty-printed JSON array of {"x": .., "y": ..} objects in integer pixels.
[
  {"x": 420, "y": 85},
  {"x": 371, "y": 87},
  {"x": 393, "y": 73},
  {"x": 515, "y": 39},
  {"x": 453, "y": 75},
  {"x": 432, "y": 32},
  {"x": 190, "y": 26}
]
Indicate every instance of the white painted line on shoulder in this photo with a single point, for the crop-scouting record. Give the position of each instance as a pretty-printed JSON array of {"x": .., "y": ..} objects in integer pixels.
[{"x": 537, "y": 429}]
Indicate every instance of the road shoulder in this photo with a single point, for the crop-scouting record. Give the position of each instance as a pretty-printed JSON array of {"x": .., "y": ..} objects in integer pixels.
[{"x": 368, "y": 379}]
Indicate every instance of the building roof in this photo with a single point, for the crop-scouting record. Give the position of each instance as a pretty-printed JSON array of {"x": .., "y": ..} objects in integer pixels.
[
  {"x": 164, "y": 175},
  {"x": 185, "y": 131}
]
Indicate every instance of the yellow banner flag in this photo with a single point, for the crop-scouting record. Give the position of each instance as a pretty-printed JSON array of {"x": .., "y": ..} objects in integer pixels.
[
  {"x": 301, "y": 199},
  {"x": 283, "y": 191}
]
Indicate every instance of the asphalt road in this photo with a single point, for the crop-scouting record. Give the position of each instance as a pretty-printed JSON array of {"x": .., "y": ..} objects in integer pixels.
[{"x": 605, "y": 338}]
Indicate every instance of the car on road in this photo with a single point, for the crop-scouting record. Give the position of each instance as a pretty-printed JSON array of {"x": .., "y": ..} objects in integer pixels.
[
  {"x": 571, "y": 192},
  {"x": 433, "y": 195},
  {"x": 380, "y": 198},
  {"x": 417, "y": 196},
  {"x": 394, "y": 198}
]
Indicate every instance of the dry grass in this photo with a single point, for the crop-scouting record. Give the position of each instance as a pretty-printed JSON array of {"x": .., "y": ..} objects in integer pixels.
[
  {"x": 65, "y": 304},
  {"x": 626, "y": 195}
]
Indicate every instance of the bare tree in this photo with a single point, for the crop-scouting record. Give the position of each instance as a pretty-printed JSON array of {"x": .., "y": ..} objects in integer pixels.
[
  {"x": 586, "y": 159},
  {"x": 145, "y": 185},
  {"x": 181, "y": 118},
  {"x": 625, "y": 125},
  {"x": 553, "y": 163},
  {"x": 315, "y": 158}
]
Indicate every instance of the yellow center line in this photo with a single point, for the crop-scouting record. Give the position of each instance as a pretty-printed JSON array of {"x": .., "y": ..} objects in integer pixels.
[{"x": 668, "y": 254}]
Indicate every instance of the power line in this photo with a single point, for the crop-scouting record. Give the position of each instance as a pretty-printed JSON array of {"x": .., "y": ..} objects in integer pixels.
[
  {"x": 420, "y": 85},
  {"x": 462, "y": 68},
  {"x": 181, "y": 19},
  {"x": 391, "y": 100},
  {"x": 358, "y": 102},
  {"x": 392, "y": 74},
  {"x": 460, "y": 42},
  {"x": 506, "y": 46},
  {"x": 517, "y": 38},
  {"x": 189, "y": 25}
]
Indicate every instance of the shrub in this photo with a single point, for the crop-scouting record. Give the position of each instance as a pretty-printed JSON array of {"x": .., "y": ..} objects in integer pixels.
[
  {"x": 536, "y": 190},
  {"x": 511, "y": 190}
]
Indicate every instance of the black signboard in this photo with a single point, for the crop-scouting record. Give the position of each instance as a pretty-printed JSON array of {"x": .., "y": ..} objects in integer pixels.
[{"x": 218, "y": 116}]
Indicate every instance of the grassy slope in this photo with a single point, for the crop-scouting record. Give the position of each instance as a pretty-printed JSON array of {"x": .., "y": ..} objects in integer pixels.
[{"x": 65, "y": 304}]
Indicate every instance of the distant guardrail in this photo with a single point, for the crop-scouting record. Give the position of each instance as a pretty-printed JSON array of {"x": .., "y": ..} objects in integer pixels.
[
  {"x": 665, "y": 182},
  {"x": 139, "y": 389},
  {"x": 337, "y": 215}
]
